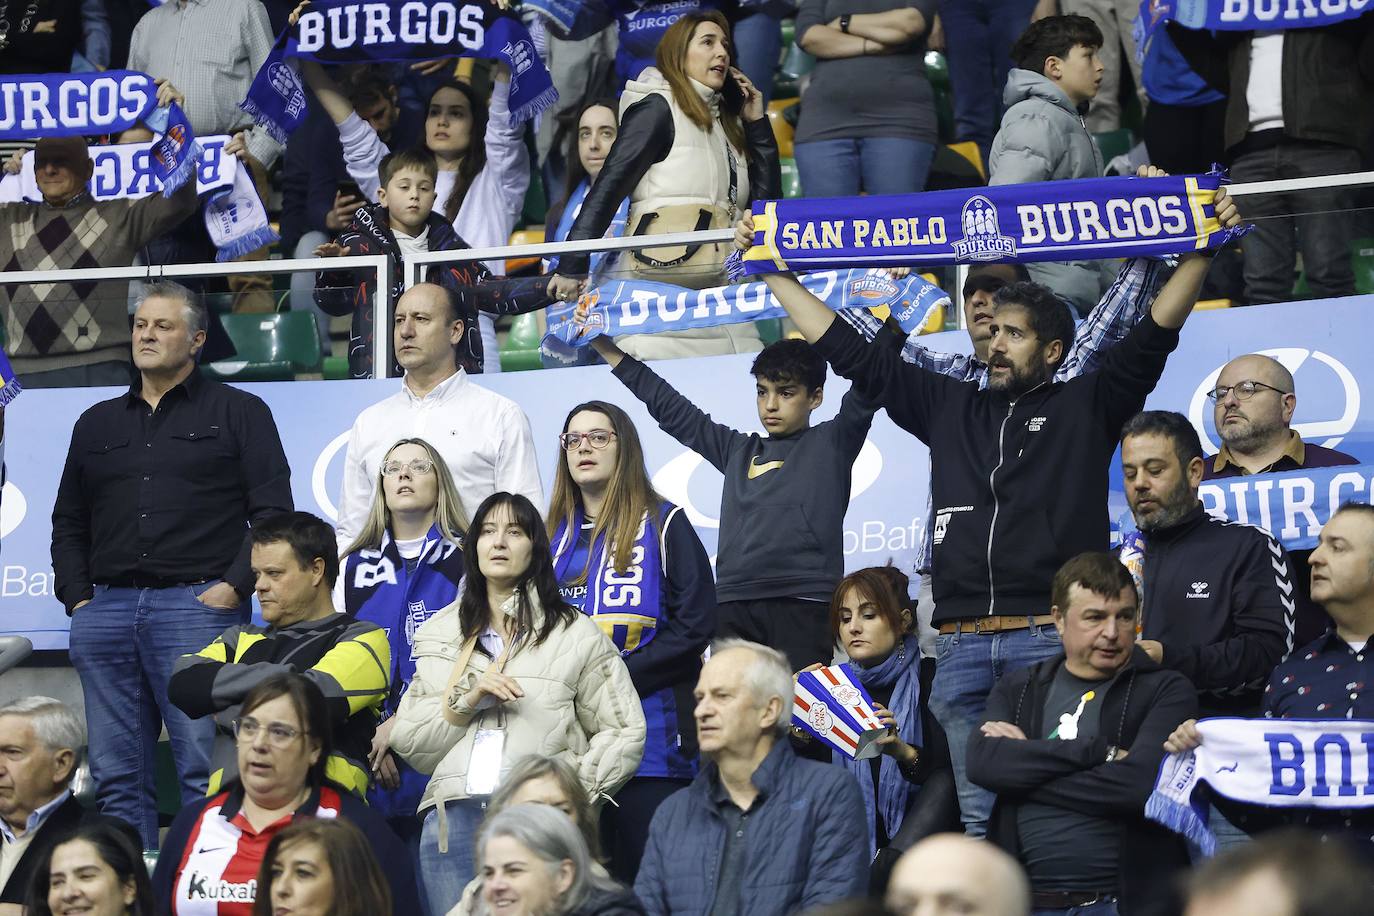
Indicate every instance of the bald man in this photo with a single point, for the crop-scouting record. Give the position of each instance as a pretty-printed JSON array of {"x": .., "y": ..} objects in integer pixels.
[
  {"x": 951, "y": 873},
  {"x": 1255, "y": 401}
]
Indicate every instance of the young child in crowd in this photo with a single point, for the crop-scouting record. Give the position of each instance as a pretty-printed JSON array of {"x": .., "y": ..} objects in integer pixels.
[
  {"x": 781, "y": 550},
  {"x": 403, "y": 221}
]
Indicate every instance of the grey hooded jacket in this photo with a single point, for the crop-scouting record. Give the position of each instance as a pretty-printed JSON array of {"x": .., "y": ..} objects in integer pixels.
[{"x": 1043, "y": 138}]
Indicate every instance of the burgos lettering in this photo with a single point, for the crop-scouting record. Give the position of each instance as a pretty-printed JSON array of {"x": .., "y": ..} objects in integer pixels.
[
  {"x": 983, "y": 239},
  {"x": 414, "y": 23},
  {"x": 1299, "y": 769},
  {"x": 1286, "y": 11},
  {"x": 1091, "y": 221},
  {"x": 33, "y": 105}
]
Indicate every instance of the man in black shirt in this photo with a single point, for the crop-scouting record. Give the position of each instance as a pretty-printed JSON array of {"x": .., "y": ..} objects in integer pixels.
[
  {"x": 150, "y": 546},
  {"x": 1071, "y": 746}
]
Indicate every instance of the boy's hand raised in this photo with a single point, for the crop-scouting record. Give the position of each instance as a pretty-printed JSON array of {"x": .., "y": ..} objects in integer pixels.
[
  {"x": 333, "y": 250},
  {"x": 744, "y": 232}
]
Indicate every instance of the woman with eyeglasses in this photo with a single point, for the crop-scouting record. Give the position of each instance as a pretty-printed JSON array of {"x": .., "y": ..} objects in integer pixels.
[
  {"x": 510, "y": 669},
  {"x": 405, "y": 565},
  {"x": 211, "y": 855},
  {"x": 632, "y": 562}
]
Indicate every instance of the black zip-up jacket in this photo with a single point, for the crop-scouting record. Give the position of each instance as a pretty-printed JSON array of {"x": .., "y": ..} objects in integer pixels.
[
  {"x": 1142, "y": 707},
  {"x": 1219, "y": 596},
  {"x": 1019, "y": 486}
]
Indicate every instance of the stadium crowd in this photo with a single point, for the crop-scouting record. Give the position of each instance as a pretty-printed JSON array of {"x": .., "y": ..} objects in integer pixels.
[{"x": 474, "y": 695}]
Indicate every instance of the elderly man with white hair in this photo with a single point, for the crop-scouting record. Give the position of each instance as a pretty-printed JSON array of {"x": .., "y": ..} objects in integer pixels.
[
  {"x": 760, "y": 831},
  {"x": 41, "y": 741}
]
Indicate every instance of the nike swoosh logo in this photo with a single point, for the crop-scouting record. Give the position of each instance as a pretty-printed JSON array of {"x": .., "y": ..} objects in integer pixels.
[
  {"x": 758, "y": 470},
  {"x": 210, "y": 849}
]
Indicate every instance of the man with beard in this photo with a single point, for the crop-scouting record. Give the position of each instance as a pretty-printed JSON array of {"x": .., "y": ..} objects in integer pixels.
[
  {"x": 1218, "y": 603},
  {"x": 1018, "y": 473},
  {"x": 1255, "y": 401}
]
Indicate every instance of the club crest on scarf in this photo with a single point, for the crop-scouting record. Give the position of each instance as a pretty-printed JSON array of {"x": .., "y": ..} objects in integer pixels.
[
  {"x": 983, "y": 239},
  {"x": 833, "y": 705}
]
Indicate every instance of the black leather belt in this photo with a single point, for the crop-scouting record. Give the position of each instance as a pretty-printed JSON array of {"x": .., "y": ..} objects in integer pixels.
[
  {"x": 1063, "y": 900},
  {"x": 139, "y": 580}
]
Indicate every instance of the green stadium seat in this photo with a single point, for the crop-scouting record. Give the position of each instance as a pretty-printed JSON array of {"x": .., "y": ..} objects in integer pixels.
[
  {"x": 520, "y": 351},
  {"x": 1362, "y": 259},
  {"x": 271, "y": 347},
  {"x": 791, "y": 179},
  {"x": 770, "y": 330},
  {"x": 937, "y": 70},
  {"x": 335, "y": 367},
  {"x": 1114, "y": 143}
]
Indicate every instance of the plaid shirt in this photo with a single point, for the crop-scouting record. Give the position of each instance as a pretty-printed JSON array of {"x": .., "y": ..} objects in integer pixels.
[
  {"x": 1124, "y": 304},
  {"x": 210, "y": 50}
]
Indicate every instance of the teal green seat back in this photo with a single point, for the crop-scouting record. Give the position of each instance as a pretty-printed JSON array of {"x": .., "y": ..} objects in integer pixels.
[
  {"x": 520, "y": 351},
  {"x": 1114, "y": 143},
  {"x": 791, "y": 178},
  {"x": 283, "y": 337},
  {"x": 1362, "y": 259}
]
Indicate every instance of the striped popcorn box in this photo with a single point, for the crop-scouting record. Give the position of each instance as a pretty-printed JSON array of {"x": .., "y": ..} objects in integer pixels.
[{"x": 832, "y": 705}]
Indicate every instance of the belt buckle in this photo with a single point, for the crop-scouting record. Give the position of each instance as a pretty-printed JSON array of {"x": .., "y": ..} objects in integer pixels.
[{"x": 978, "y": 626}]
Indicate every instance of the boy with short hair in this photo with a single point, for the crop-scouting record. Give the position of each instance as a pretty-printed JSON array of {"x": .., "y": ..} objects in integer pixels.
[
  {"x": 403, "y": 221},
  {"x": 1043, "y": 136},
  {"x": 781, "y": 550}
]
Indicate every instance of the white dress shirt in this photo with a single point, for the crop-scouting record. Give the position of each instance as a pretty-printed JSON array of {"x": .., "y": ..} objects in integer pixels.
[{"x": 484, "y": 438}]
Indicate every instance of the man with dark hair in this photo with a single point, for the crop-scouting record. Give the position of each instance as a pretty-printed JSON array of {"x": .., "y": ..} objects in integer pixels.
[
  {"x": 1326, "y": 679},
  {"x": 1072, "y": 746},
  {"x": 1042, "y": 137},
  {"x": 786, "y": 492},
  {"x": 150, "y": 546},
  {"x": 1255, "y": 399},
  {"x": 295, "y": 562},
  {"x": 1218, "y": 601},
  {"x": 1289, "y": 873},
  {"x": 1004, "y": 521}
]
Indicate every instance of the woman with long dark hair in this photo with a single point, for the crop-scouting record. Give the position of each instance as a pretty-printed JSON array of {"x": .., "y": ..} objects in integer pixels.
[
  {"x": 321, "y": 867},
  {"x": 694, "y": 148},
  {"x": 510, "y": 669},
  {"x": 98, "y": 869},
  {"x": 633, "y": 563}
]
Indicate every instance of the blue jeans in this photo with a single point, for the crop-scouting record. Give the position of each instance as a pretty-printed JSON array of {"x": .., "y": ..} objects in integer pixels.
[
  {"x": 123, "y": 646},
  {"x": 978, "y": 38},
  {"x": 878, "y": 165},
  {"x": 444, "y": 875},
  {"x": 967, "y": 666},
  {"x": 1101, "y": 908},
  {"x": 303, "y": 286},
  {"x": 758, "y": 47}
]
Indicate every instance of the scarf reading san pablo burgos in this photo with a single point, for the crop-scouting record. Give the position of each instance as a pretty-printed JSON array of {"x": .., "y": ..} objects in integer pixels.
[
  {"x": 641, "y": 307},
  {"x": 1249, "y": 15},
  {"x": 350, "y": 31},
  {"x": 86, "y": 104},
  {"x": 1278, "y": 763},
  {"x": 1046, "y": 221}
]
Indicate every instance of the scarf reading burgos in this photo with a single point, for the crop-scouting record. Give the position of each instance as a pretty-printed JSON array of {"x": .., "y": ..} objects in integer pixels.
[
  {"x": 349, "y": 31},
  {"x": 1278, "y": 763},
  {"x": 86, "y": 104},
  {"x": 1248, "y": 15},
  {"x": 641, "y": 307},
  {"x": 1046, "y": 221}
]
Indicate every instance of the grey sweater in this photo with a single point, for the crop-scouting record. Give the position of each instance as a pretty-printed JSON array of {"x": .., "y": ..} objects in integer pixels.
[{"x": 784, "y": 500}]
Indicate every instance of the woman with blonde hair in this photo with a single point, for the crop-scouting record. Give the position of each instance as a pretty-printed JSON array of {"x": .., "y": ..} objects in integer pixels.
[
  {"x": 694, "y": 148},
  {"x": 509, "y": 669},
  {"x": 632, "y": 562},
  {"x": 405, "y": 566}
]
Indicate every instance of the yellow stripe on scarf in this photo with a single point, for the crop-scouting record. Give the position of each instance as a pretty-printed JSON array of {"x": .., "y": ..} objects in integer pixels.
[
  {"x": 1204, "y": 225},
  {"x": 766, "y": 224}
]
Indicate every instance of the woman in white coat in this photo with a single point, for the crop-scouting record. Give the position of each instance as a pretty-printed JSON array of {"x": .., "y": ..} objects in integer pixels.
[{"x": 509, "y": 669}]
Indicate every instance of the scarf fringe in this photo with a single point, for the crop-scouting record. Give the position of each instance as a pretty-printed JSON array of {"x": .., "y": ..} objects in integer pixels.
[
  {"x": 264, "y": 120},
  {"x": 185, "y": 170},
  {"x": 1183, "y": 819},
  {"x": 734, "y": 266},
  {"x": 247, "y": 244},
  {"x": 536, "y": 105}
]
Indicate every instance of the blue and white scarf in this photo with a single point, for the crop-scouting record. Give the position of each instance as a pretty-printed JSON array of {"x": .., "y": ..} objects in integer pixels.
[
  {"x": 641, "y": 307},
  {"x": 234, "y": 214},
  {"x": 901, "y": 672},
  {"x": 351, "y": 31},
  {"x": 86, "y": 104},
  {"x": 9, "y": 390},
  {"x": 1277, "y": 763},
  {"x": 1250, "y": 15},
  {"x": 629, "y": 600},
  {"x": 1046, "y": 221},
  {"x": 615, "y": 230}
]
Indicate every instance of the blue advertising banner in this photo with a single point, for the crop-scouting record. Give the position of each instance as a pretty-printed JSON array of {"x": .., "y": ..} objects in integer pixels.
[{"x": 1323, "y": 345}]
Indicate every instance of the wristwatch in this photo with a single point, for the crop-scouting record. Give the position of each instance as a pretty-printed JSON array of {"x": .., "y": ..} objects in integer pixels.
[
  {"x": 1112, "y": 752},
  {"x": 844, "y": 24}
]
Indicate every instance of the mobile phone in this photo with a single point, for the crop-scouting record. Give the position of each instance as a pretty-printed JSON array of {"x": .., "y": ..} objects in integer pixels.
[{"x": 350, "y": 189}]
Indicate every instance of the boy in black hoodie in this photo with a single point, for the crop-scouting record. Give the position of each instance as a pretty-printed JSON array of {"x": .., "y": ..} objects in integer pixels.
[
  {"x": 781, "y": 550},
  {"x": 403, "y": 221}
]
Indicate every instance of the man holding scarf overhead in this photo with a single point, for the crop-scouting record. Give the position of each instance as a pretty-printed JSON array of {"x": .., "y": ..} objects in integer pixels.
[
  {"x": 1004, "y": 522},
  {"x": 76, "y": 334}
]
